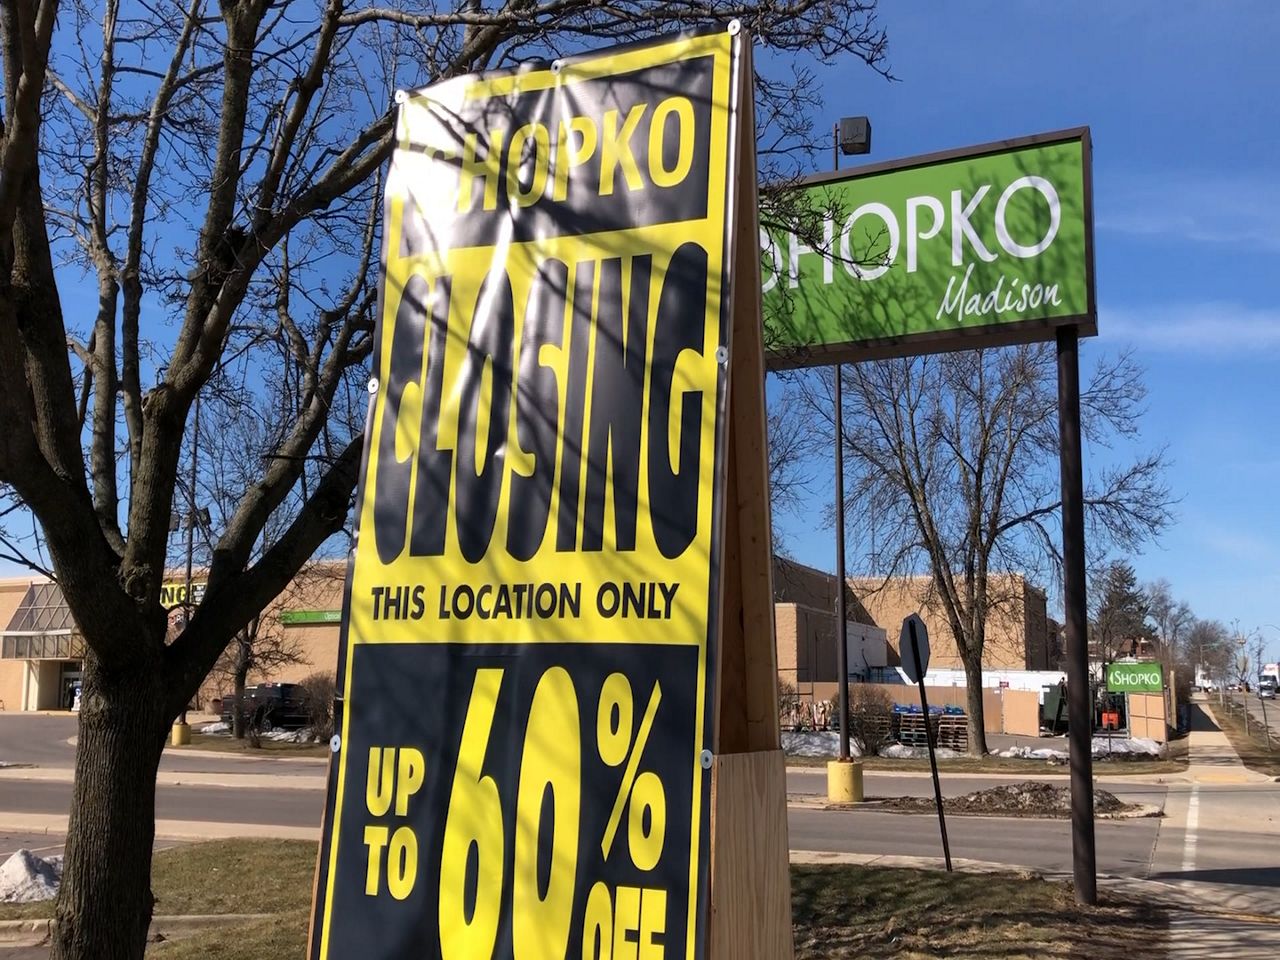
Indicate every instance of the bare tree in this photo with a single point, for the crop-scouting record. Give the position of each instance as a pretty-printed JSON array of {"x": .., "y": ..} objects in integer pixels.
[
  {"x": 954, "y": 473},
  {"x": 210, "y": 172},
  {"x": 1173, "y": 620},
  {"x": 1210, "y": 642},
  {"x": 261, "y": 645},
  {"x": 789, "y": 473}
]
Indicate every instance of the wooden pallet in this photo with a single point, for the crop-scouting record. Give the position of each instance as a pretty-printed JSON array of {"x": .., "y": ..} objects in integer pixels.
[{"x": 950, "y": 730}]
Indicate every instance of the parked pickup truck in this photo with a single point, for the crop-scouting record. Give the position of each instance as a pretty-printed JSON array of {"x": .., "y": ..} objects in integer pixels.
[{"x": 270, "y": 706}]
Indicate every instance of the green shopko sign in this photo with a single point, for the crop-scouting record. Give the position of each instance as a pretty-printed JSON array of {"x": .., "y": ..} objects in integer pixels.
[
  {"x": 1135, "y": 677},
  {"x": 979, "y": 247},
  {"x": 295, "y": 618}
]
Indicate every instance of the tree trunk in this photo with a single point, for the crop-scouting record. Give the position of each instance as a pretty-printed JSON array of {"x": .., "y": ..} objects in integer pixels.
[
  {"x": 104, "y": 903},
  {"x": 240, "y": 678},
  {"x": 974, "y": 707}
]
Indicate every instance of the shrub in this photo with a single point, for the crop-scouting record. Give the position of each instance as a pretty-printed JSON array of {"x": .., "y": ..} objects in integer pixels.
[
  {"x": 318, "y": 692},
  {"x": 870, "y": 718},
  {"x": 788, "y": 703}
]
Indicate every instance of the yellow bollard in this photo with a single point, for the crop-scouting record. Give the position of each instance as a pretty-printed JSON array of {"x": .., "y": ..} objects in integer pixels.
[
  {"x": 181, "y": 735},
  {"x": 844, "y": 781}
]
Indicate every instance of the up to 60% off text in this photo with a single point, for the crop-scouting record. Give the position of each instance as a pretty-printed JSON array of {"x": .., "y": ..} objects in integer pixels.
[{"x": 623, "y": 923}]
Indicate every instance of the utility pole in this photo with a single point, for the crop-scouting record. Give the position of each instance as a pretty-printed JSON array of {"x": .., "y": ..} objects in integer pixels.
[{"x": 1079, "y": 706}]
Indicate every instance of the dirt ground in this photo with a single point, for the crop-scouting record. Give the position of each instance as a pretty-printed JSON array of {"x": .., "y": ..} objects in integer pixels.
[{"x": 1028, "y": 799}]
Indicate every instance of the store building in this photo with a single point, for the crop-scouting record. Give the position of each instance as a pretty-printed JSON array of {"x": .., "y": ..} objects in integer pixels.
[
  {"x": 42, "y": 650},
  {"x": 1019, "y": 635}
]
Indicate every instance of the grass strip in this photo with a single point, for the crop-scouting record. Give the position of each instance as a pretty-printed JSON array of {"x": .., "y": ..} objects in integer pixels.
[{"x": 839, "y": 911}]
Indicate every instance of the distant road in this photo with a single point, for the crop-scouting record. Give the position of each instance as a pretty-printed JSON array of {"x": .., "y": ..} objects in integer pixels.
[{"x": 42, "y": 741}]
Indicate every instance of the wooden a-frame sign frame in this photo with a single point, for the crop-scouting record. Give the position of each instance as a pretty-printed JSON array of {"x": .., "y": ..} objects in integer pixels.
[{"x": 750, "y": 902}]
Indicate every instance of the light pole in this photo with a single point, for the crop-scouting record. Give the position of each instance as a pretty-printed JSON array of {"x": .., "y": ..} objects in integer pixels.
[{"x": 852, "y": 137}]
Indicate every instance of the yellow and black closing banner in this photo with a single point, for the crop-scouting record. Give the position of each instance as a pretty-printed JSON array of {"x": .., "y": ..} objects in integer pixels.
[{"x": 529, "y": 632}]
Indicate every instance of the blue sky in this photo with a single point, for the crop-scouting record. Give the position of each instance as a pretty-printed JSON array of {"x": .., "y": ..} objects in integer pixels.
[
  {"x": 1183, "y": 104},
  {"x": 1182, "y": 101}
]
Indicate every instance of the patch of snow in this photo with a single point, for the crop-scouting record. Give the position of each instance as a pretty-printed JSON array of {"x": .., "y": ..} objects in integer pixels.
[
  {"x": 218, "y": 727},
  {"x": 1034, "y": 753},
  {"x": 305, "y": 735},
  {"x": 896, "y": 751},
  {"x": 814, "y": 743},
  {"x": 25, "y": 878},
  {"x": 1118, "y": 746},
  {"x": 1128, "y": 745}
]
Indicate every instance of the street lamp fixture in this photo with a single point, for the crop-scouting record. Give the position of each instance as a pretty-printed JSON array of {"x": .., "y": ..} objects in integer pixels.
[{"x": 853, "y": 134}]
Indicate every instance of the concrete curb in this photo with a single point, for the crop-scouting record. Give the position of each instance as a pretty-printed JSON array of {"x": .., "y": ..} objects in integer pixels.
[
  {"x": 35, "y": 932},
  {"x": 46, "y": 824},
  {"x": 1141, "y": 811},
  {"x": 227, "y": 754},
  {"x": 24, "y": 933},
  {"x": 1151, "y": 779},
  {"x": 169, "y": 778},
  {"x": 237, "y": 755}
]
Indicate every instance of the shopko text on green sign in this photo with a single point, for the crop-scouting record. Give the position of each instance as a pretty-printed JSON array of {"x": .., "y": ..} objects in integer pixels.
[
  {"x": 1135, "y": 677},
  {"x": 965, "y": 245}
]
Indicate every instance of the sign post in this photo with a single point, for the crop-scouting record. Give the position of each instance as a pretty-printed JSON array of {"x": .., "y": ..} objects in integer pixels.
[
  {"x": 913, "y": 646},
  {"x": 558, "y": 726}
]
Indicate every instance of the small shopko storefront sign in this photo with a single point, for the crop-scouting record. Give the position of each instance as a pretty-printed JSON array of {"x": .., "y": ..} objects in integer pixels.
[{"x": 1135, "y": 677}]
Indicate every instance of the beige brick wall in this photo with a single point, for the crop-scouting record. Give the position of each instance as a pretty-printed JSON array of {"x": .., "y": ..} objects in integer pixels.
[
  {"x": 11, "y": 671},
  {"x": 795, "y": 583},
  {"x": 1016, "y": 629},
  {"x": 319, "y": 588}
]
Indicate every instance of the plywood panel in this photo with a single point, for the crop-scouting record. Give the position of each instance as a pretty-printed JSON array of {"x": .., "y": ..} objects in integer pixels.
[
  {"x": 1146, "y": 716},
  {"x": 750, "y": 875},
  {"x": 1021, "y": 713}
]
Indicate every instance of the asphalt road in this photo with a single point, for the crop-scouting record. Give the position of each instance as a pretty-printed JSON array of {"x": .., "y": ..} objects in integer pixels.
[
  {"x": 1232, "y": 839},
  {"x": 1256, "y": 708},
  {"x": 1125, "y": 848}
]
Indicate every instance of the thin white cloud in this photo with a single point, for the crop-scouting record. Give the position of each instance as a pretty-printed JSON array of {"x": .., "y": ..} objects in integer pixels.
[
  {"x": 1211, "y": 327},
  {"x": 1237, "y": 211}
]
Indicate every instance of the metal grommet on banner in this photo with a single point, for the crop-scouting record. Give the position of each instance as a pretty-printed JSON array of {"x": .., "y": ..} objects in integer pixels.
[
  {"x": 722, "y": 355},
  {"x": 557, "y": 66},
  {"x": 335, "y": 743},
  {"x": 373, "y": 384},
  {"x": 735, "y": 27},
  {"x": 705, "y": 757},
  {"x": 401, "y": 96}
]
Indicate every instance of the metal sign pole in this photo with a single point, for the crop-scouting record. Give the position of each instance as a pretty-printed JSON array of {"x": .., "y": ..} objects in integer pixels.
[
  {"x": 928, "y": 737},
  {"x": 1083, "y": 850}
]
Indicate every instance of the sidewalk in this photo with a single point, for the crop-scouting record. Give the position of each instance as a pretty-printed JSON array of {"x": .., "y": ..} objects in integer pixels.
[{"x": 1212, "y": 758}]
